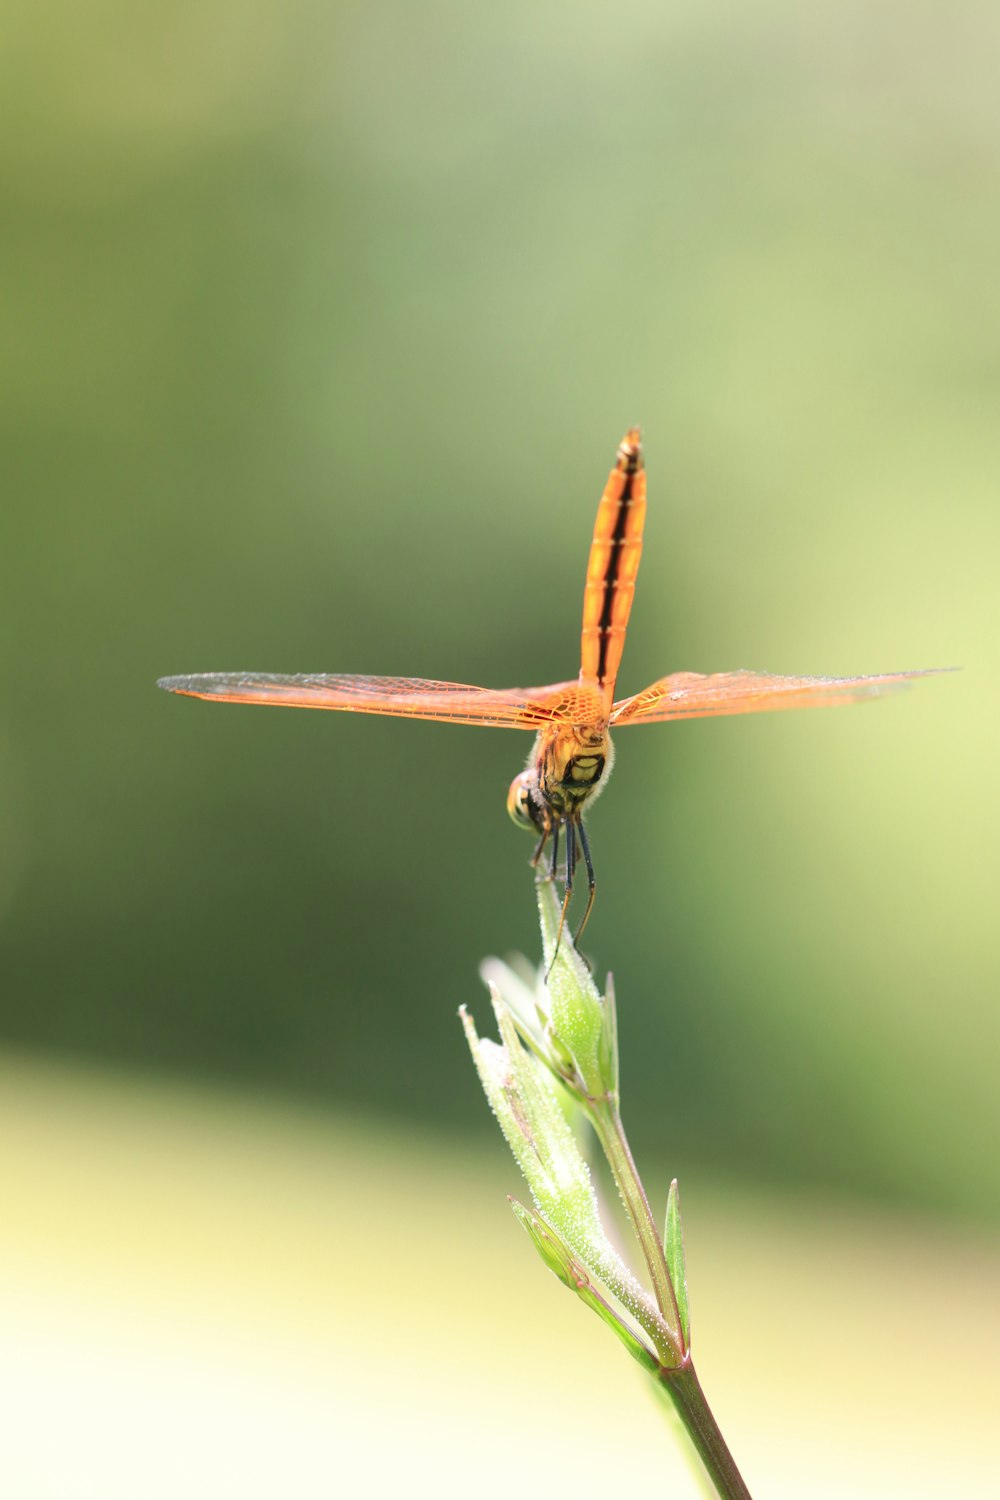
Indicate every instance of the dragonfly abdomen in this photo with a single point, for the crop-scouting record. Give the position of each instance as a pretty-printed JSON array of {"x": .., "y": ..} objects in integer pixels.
[{"x": 612, "y": 566}]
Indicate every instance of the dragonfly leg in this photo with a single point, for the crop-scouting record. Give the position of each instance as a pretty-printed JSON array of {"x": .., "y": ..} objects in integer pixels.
[
  {"x": 591, "y": 882},
  {"x": 539, "y": 849},
  {"x": 567, "y": 897},
  {"x": 554, "y": 866}
]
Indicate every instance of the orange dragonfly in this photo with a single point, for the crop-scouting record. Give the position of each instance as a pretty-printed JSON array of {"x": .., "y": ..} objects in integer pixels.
[{"x": 572, "y": 721}]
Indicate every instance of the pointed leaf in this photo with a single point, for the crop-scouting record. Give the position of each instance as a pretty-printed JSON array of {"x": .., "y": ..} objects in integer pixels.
[
  {"x": 608, "y": 1048},
  {"x": 548, "y": 1244},
  {"x": 571, "y": 1273},
  {"x": 673, "y": 1249},
  {"x": 520, "y": 995}
]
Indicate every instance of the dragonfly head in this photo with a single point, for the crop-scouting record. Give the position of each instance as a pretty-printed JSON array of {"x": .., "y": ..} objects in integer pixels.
[{"x": 526, "y": 804}]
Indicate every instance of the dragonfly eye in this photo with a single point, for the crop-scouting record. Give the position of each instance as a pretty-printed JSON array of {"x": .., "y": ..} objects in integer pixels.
[{"x": 521, "y": 803}]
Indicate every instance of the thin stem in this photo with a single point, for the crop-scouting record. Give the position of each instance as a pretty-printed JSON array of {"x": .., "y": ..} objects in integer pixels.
[
  {"x": 607, "y": 1122},
  {"x": 680, "y": 1381},
  {"x": 684, "y": 1389}
]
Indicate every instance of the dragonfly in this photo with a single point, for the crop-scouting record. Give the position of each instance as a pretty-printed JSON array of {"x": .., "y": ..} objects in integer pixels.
[{"x": 572, "y": 756}]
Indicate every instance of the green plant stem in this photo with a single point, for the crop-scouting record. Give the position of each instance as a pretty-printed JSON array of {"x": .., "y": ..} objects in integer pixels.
[
  {"x": 684, "y": 1389},
  {"x": 610, "y": 1133},
  {"x": 677, "y": 1374},
  {"x": 606, "y": 1120}
]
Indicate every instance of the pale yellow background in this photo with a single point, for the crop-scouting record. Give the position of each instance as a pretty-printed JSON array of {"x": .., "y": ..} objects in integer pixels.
[{"x": 208, "y": 1299}]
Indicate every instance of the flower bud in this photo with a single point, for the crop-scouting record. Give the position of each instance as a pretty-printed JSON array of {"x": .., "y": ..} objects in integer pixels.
[
  {"x": 582, "y": 1027},
  {"x": 526, "y": 1101}
]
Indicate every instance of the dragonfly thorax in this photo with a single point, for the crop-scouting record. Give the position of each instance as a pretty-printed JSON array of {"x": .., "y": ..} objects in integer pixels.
[{"x": 568, "y": 767}]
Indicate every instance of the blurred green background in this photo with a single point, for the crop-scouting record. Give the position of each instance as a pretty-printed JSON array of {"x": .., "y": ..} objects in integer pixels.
[{"x": 322, "y": 323}]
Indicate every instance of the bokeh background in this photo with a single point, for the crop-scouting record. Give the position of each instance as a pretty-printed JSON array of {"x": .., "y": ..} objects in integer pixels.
[{"x": 322, "y": 323}]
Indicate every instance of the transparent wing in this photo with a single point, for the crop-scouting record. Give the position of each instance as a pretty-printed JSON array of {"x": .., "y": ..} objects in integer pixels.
[
  {"x": 401, "y": 697},
  {"x": 693, "y": 695}
]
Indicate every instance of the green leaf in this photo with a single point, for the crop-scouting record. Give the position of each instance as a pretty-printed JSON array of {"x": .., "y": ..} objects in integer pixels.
[
  {"x": 563, "y": 1264},
  {"x": 522, "y": 994},
  {"x": 550, "y": 1247},
  {"x": 608, "y": 1050},
  {"x": 526, "y": 1101},
  {"x": 673, "y": 1249}
]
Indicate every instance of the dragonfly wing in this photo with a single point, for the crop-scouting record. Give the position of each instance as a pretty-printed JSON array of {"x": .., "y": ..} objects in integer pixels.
[
  {"x": 400, "y": 697},
  {"x": 693, "y": 695}
]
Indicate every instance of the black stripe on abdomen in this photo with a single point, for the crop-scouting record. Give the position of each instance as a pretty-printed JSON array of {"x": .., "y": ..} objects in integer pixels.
[{"x": 614, "y": 564}]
